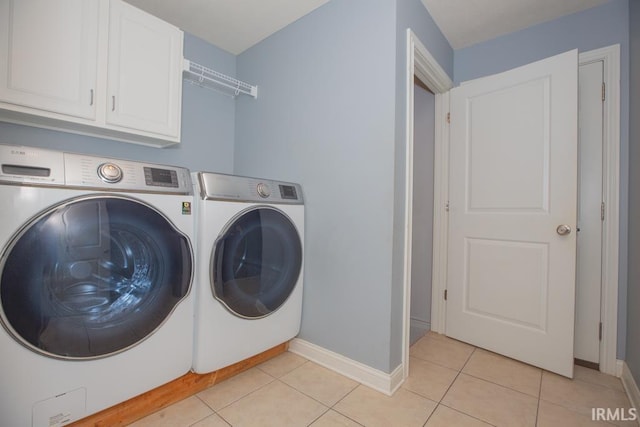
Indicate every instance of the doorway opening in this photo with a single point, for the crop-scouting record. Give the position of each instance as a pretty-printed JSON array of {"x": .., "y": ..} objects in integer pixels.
[{"x": 422, "y": 226}]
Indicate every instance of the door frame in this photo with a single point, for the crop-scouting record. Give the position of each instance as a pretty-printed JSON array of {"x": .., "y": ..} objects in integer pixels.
[
  {"x": 610, "y": 56},
  {"x": 422, "y": 64}
]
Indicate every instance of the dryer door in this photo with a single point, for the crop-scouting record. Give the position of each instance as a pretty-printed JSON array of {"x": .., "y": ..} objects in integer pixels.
[
  {"x": 256, "y": 262},
  {"x": 92, "y": 277}
]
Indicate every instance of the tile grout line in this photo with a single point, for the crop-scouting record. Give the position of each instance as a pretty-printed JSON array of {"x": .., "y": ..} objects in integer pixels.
[
  {"x": 279, "y": 379},
  {"x": 468, "y": 415},
  {"x": 539, "y": 397},
  {"x": 570, "y": 408},
  {"x": 241, "y": 397},
  {"x": 445, "y": 339},
  {"x": 329, "y": 407},
  {"x": 449, "y": 388},
  {"x": 333, "y": 408},
  {"x": 318, "y": 417},
  {"x": 501, "y": 385},
  {"x": 214, "y": 412}
]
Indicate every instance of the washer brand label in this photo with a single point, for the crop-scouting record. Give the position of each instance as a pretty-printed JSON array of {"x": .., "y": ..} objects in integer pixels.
[{"x": 186, "y": 208}]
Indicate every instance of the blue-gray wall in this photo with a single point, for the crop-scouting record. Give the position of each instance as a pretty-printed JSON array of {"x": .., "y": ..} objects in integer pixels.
[
  {"x": 208, "y": 125},
  {"x": 633, "y": 313},
  {"x": 326, "y": 117},
  {"x": 591, "y": 29}
]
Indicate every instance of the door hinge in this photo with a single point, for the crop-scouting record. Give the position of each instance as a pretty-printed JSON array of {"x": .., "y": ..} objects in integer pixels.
[
  {"x": 602, "y": 211},
  {"x": 600, "y": 332},
  {"x": 445, "y": 294},
  {"x": 446, "y": 206},
  {"x": 604, "y": 91},
  {"x": 448, "y": 117}
]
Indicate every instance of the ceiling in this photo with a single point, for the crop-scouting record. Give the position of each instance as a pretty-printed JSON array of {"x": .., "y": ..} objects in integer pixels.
[
  {"x": 232, "y": 25},
  {"x": 236, "y": 25},
  {"x": 467, "y": 22}
]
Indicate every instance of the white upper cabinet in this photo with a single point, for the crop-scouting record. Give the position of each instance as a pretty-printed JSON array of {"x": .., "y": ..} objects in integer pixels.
[
  {"x": 145, "y": 71},
  {"x": 95, "y": 67},
  {"x": 48, "y": 52}
]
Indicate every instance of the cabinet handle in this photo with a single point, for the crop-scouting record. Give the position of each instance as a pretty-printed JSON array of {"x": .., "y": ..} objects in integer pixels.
[
  {"x": 113, "y": 103},
  {"x": 91, "y": 98}
]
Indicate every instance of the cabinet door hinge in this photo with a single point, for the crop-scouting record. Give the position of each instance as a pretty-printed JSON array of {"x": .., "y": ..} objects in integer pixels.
[
  {"x": 448, "y": 117},
  {"x": 602, "y": 211},
  {"x": 445, "y": 294},
  {"x": 446, "y": 206},
  {"x": 604, "y": 91}
]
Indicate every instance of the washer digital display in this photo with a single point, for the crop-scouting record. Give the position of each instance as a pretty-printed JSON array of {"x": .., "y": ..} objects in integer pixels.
[{"x": 161, "y": 177}]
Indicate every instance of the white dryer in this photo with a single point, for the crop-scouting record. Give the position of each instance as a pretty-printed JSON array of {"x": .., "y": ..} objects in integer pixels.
[
  {"x": 96, "y": 267},
  {"x": 249, "y": 262}
]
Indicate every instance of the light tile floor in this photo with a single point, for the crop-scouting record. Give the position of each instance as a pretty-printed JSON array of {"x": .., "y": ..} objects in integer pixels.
[{"x": 450, "y": 384}]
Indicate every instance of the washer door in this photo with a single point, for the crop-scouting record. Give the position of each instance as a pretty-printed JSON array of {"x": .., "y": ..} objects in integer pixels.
[
  {"x": 256, "y": 262},
  {"x": 92, "y": 277}
]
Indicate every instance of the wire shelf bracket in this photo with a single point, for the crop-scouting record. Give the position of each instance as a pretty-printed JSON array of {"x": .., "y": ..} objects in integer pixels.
[{"x": 206, "y": 77}]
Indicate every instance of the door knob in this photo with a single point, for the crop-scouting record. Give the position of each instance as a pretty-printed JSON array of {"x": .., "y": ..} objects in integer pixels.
[{"x": 563, "y": 229}]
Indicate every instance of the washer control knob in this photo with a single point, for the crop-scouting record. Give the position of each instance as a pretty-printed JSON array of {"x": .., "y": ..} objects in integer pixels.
[
  {"x": 263, "y": 190},
  {"x": 110, "y": 173}
]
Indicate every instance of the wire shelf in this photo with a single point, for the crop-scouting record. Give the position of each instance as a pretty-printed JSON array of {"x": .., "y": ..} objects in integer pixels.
[{"x": 206, "y": 77}]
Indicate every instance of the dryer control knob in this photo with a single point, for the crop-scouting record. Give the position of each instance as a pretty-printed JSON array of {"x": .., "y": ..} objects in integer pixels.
[
  {"x": 263, "y": 190},
  {"x": 110, "y": 173}
]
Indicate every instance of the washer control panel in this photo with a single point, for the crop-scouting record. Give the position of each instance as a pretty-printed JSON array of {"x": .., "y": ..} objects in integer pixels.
[
  {"x": 216, "y": 186},
  {"x": 31, "y": 166},
  {"x": 89, "y": 171},
  {"x": 36, "y": 166}
]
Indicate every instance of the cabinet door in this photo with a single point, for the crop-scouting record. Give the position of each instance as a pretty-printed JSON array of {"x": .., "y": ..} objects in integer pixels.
[
  {"x": 48, "y": 55},
  {"x": 145, "y": 71}
]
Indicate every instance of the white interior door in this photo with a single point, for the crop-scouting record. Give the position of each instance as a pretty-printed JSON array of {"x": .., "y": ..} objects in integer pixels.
[
  {"x": 589, "y": 261},
  {"x": 512, "y": 218}
]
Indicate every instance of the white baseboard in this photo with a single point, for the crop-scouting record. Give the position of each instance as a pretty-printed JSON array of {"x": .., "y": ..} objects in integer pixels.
[
  {"x": 373, "y": 378},
  {"x": 630, "y": 386},
  {"x": 420, "y": 324}
]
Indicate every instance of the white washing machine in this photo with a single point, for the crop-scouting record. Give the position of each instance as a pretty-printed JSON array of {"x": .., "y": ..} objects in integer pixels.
[
  {"x": 96, "y": 267},
  {"x": 249, "y": 261}
]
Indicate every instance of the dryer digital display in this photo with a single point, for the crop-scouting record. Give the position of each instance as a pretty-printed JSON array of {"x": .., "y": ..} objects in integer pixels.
[{"x": 288, "y": 192}]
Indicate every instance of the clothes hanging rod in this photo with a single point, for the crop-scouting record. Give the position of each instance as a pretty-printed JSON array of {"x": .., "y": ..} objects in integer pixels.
[{"x": 206, "y": 77}]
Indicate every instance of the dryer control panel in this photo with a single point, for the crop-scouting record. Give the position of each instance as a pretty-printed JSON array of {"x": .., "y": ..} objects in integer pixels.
[{"x": 217, "y": 186}]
